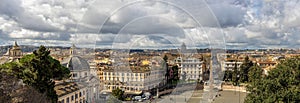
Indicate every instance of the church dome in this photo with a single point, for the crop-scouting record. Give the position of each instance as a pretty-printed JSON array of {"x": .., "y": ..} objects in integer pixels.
[{"x": 75, "y": 63}]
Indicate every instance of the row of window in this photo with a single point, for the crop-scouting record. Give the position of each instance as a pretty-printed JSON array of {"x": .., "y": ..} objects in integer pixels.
[
  {"x": 231, "y": 65},
  {"x": 190, "y": 65},
  {"x": 131, "y": 78},
  {"x": 130, "y": 74},
  {"x": 191, "y": 69},
  {"x": 142, "y": 77},
  {"x": 191, "y": 61},
  {"x": 67, "y": 100},
  {"x": 124, "y": 88},
  {"x": 191, "y": 72},
  {"x": 122, "y": 79},
  {"x": 76, "y": 74}
]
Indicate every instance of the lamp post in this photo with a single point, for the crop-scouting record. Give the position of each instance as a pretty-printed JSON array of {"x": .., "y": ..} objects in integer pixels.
[
  {"x": 239, "y": 93},
  {"x": 237, "y": 83},
  {"x": 184, "y": 97},
  {"x": 238, "y": 75}
]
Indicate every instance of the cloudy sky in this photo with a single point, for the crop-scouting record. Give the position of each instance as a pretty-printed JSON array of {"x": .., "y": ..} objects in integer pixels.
[{"x": 151, "y": 23}]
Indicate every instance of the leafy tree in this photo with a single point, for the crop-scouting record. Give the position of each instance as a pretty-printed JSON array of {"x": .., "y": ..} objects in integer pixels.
[
  {"x": 228, "y": 75},
  {"x": 205, "y": 75},
  {"x": 255, "y": 74},
  {"x": 167, "y": 74},
  {"x": 235, "y": 75},
  {"x": 166, "y": 58},
  {"x": 118, "y": 93},
  {"x": 12, "y": 68},
  {"x": 38, "y": 71},
  {"x": 175, "y": 77},
  {"x": 281, "y": 85},
  {"x": 244, "y": 69}
]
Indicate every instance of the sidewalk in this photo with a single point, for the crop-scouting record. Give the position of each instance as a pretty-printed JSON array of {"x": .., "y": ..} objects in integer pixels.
[{"x": 230, "y": 97}]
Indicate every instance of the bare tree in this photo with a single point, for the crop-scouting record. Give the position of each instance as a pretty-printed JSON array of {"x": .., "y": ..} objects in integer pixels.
[{"x": 13, "y": 90}]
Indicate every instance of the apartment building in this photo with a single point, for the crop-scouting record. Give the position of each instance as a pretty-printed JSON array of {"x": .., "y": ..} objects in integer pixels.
[
  {"x": 190, "y": 68},
  {"x": 134, "y": 79}
]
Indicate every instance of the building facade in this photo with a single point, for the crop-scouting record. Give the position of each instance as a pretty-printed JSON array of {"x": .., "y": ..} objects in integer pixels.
[
  {"x": 134, "y": 79},
  {"x": 70, "y": 92},
  {"x": 12, "y": 54},
  {"x": 190, "y": 68},
  {"x": 229, "y": 65},
  {"x": 85, "y": 83}
]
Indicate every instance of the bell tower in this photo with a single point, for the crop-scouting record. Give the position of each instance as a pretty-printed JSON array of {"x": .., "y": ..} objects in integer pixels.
[
  {"x": 15, "y": 52},
  {"x": 72, "y": 50}
]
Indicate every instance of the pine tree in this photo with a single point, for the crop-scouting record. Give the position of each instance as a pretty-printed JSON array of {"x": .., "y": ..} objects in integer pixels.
[
  {"x": 175, "y": 77},
  {"x": 244, "y": 69},
  {"x": 40, "y": 71},
  {"x": 235, "y": 75},
  {"x": 167, "y": 74}
]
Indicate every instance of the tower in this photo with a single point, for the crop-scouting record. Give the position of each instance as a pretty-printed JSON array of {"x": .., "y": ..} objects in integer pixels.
[
  {"x": 73, "y": 50},
  {"x": 15, "y": 52},
  {"x": 183, "y": 48}
]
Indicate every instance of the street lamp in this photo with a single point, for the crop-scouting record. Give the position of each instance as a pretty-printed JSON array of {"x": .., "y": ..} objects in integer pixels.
[
  {"x": 185, "y": 97},
  {"x": 236, "y": 82}
]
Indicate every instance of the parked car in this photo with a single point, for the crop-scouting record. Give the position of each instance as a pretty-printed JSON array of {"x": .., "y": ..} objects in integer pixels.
[
  {"x": 140, "y": 100},
  {"x": 137, "y": 98}
]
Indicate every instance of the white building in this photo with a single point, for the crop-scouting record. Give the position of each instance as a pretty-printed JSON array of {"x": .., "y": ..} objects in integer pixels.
[
  {"x": 190, "y": 68},
  {"x": 229, "y": 65},
  {"x": 134, "y": 80},
  {"x": 87, "y": 83}
]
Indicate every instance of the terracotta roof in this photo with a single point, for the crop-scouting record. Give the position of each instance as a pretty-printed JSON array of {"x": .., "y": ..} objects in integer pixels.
[{"x": 66, "y": 88}]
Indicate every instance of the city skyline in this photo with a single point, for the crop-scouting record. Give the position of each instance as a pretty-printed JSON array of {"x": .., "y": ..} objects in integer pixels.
[{"x": 145, "y": 51}]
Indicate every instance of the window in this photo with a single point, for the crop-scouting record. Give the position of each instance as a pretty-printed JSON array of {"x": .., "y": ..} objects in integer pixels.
[
  {"x": 79, "y": 94},
  {"x": 75, "y": 75},
  {"x": 68, "y": 100},
  {"x": 85, "y": 73},
  {"x": 72, "y": 98},
  {"x": 76, "y": 96}
]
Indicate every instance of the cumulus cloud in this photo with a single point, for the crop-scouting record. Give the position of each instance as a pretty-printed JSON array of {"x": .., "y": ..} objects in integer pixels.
[
  {"x": 14, "y": 10},
  {"x": 200, "y": 23}
]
